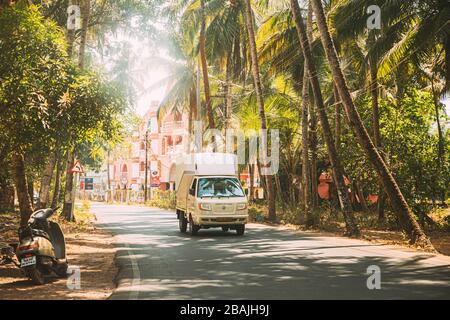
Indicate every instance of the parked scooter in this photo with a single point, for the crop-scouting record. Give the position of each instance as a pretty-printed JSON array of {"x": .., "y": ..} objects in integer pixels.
[{"x": 41, "y": 250}]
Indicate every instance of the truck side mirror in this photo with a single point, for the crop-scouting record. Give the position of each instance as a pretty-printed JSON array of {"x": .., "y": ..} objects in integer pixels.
[{"x": 192, "y": 192}]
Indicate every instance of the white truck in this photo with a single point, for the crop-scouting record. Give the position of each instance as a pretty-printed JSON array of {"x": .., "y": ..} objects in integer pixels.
[{"x": 209, "y": 193}]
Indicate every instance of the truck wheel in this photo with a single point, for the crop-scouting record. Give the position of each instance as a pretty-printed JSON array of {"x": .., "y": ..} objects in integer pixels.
[
  {"x": 182, "y": 223},
  {"x": 225, "y": 229},
  {"x": 193, "y": 228},
  {"x": 240, "y": 229}
]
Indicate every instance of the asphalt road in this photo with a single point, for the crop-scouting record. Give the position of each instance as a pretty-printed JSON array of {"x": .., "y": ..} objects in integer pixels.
[{"x": 156, "y": 261}]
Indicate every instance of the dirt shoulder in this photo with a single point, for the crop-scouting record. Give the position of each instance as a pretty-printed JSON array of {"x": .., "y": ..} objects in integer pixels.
[{"x": 89, "y": 248}]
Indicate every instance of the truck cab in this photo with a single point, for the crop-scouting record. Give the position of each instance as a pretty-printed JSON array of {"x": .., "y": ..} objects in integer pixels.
[{"x": 210, "y": 195}]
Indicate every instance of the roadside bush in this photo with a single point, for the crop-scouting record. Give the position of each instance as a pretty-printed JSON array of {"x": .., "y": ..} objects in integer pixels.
[{"x": 162, "y": 199}]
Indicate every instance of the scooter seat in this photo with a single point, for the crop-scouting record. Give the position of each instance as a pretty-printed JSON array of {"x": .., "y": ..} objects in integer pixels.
[{"x": 41, "y": 233}]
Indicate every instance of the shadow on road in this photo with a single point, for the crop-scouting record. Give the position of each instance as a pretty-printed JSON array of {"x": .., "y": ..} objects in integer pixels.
[{"x": 266, "y": 263}]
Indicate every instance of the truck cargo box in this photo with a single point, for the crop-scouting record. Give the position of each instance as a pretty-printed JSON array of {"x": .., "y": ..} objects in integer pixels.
[{"x": 203, "y": 164}]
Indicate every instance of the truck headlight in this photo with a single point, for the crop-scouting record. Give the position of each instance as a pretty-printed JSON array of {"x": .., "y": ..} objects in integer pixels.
[
  {"x": 241, "y": 206},
  {"x": 205, "y": 206}
]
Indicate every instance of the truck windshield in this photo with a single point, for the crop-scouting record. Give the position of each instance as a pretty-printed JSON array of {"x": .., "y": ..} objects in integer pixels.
[{"x": 219, "y": 187}]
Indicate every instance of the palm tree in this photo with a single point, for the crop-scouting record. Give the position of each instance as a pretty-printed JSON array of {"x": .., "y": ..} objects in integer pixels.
[
  {"x": 338, "y": 171},
  {"x": 401, "y": 208},
  {"x": 306, "y": 174},
  {"x": 260, "y": 100},
  {"x": 204, "y": 64}
]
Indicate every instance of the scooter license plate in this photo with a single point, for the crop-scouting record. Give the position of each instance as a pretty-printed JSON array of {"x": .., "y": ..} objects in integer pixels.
[{"x": 28, "y": 261}]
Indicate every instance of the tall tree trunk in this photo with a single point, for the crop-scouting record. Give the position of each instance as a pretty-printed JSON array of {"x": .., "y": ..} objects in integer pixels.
[
  {"x": 401, "y": 208},
  {"x": 312, "y": 129},
  {"x": 337, "y": 119},
  {"x": 306, "y": 174},
  {"x": 260, "y": 101},
  {"x": 25, "y": 204},
  {"x": 6, "y": 185},
  {"x": 108, "y": 155},
  {"x": 69, "y": 200},
  {"x": 373, "y": 66},
  {"x": 204, "y": 64},
  {"x": 441, "y": 145},
  {"x": 228, "y": 92},
  {"x": 447, "y": 62},
  {"x": 30, "y": 184},
  {"x": 67, "y": 212},
  {"x": 313, "y": 147},
  {"x": 338, "y": 171},
  {"x": 251, "y": 174},
  {"x": 44, "y": 191},
  {"x": 437, "y": 107},
  {"x": 360, "y": 193},
  {"x": 57, "y": 186},
  {"x": 85, "y": 14}
]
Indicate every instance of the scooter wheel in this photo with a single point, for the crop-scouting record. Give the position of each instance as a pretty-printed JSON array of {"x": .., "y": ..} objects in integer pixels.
[
  {"x": 36, "y": 276},
  {"x": 61, "y": 270}
]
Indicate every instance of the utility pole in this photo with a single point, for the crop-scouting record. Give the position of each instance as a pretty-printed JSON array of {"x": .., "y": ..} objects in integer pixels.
[{"x": 146, "y": 165}]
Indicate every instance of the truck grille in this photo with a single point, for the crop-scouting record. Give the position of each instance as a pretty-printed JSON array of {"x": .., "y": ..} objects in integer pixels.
[{"x": 223, "y": 208}]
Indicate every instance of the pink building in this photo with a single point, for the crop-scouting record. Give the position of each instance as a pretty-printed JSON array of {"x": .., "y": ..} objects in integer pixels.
[{"x": 165, "y": 140}]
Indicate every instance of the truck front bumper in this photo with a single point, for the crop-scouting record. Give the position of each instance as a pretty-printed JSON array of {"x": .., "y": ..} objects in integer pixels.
[{"x": 215, "y": 220}]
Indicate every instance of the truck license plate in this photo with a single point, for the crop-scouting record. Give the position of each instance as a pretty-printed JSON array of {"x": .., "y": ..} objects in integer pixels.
[{"x": 28, "y": 261}]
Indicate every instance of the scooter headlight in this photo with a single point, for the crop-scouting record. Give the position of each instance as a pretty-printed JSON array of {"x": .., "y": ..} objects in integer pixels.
[{"x": 205, "y": 206}]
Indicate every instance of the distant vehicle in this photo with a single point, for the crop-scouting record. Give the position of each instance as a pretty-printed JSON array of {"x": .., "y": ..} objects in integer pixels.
[{"x": 209, "y": 193}]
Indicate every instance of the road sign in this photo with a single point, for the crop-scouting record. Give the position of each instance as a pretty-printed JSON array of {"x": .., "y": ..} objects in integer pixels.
[
  {"x": 77, "y": 167},
  {"x": 88, "y": 183},
  {"x": 155, "y": 182}
]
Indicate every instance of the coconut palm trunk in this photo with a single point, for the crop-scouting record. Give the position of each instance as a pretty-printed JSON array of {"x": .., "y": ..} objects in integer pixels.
[
  {"x": 260, "y": 101},
  {"x": 337, "y": 119},
  {"x": 251, "y": 174},
  {"x": 306, "y": 174},
  {"x": 312, "y": 135},
  {"x": 373, "y": 70},
  {"x": 25, "y": 204},
  {"x": 228, "y": 92},
  {"x": 398, "y": 202},
  {"x": 204, "y": 64},
  {"x": 338, "y": 171}
]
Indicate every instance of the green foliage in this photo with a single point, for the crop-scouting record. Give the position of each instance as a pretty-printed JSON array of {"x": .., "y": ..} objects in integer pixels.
[
  {"x": 33, "y": 75},
  {"x": 162, "y": 199}
]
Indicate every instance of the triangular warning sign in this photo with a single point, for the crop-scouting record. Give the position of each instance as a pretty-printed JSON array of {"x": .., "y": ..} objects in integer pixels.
[{"x": 77, "y": 167}]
